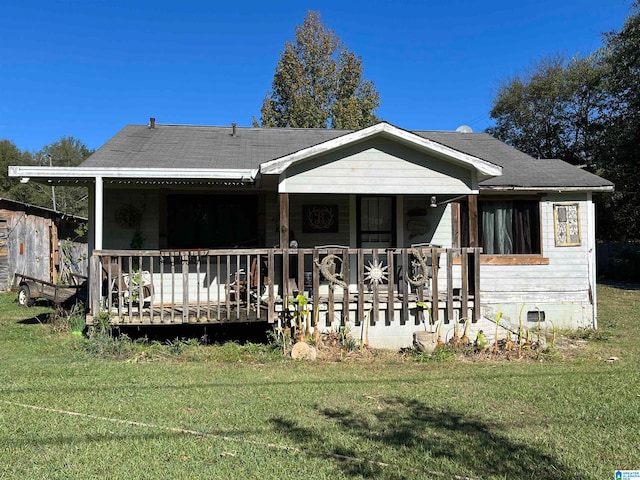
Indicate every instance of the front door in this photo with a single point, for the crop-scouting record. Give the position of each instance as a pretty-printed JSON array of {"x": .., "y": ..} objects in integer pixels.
[{"x": 376, "y": 219}]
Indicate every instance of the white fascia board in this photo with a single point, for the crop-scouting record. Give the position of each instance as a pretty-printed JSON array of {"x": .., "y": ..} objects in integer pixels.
[
  {"x": 486, "y": 169},
  {"x": 88, "y": 173}
]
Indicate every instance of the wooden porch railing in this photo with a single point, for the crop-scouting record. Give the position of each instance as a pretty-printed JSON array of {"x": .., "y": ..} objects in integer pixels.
[{"x": 140, "y": 287}]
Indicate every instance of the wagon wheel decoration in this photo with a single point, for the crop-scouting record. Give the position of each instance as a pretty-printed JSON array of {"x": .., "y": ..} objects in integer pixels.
[
  {"x": 327, "y": 267},
  {"x": 376, "y": 273},
  {"x": 421, "y": 277}
]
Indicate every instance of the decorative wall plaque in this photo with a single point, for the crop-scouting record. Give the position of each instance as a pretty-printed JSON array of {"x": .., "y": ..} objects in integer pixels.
[
  {"x": 566, "y": 220},
  {"x": 320, "y": 218}
]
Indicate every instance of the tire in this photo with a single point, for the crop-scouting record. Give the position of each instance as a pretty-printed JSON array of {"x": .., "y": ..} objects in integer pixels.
[{"x": 24, "y": 296}]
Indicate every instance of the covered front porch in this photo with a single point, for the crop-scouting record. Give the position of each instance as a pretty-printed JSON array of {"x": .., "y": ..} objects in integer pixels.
[{"x": 325, "y": 286}]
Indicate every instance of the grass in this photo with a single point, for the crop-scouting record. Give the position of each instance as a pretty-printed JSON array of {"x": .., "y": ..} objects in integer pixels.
[{"x": 184, "y": 410}]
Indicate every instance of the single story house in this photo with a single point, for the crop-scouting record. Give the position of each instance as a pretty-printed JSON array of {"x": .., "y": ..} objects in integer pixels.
[{"x": 383, "y": 230}]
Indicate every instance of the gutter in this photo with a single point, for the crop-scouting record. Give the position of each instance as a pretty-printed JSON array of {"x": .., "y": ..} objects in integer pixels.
[
  {"x": 89, "y": 174},
  {"x": 602, "y": 188}
]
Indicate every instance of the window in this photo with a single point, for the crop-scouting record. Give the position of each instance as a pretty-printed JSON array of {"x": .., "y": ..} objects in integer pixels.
[
  {"x": 211, "y": 221},
  {"x": 509, "y": 227},
  {"x": 376, "y": 222}
]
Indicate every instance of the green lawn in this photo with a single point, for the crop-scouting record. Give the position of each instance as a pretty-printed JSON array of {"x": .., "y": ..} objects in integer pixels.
[{"x": 66, "y": 412}]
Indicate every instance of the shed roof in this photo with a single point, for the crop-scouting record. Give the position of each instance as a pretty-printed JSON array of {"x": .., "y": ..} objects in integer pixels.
[{"x": 190, "y": 146}]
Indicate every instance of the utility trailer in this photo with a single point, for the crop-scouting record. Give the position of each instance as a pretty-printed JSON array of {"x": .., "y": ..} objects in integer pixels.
[{"x": 31, "y": 289}]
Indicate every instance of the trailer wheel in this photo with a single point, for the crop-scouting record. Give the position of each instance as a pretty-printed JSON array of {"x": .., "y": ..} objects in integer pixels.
[{"x": 24, "y": 296}]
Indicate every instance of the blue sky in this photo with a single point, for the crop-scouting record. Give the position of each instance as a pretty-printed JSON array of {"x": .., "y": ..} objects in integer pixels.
[{"x": 86, "y": 68}]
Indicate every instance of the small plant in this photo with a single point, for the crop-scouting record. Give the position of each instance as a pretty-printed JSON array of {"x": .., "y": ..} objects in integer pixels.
[
  {"x": 68, "y": 320},
  {"x": 465, "y": 339},
  {"x": 301, "y": 317},
  {"x": 481, "y": 341},
  {"x": 495, "y": 345},
  {"x": 77, "y": 319},
  {"x": 444, "y": 353},
  {"x": 102, "y": 323},
  {"x": 424, "y": 306}
]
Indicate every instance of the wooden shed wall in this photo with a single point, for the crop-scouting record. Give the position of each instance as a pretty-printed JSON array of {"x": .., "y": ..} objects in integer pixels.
[{"x": 28, "y": 245}]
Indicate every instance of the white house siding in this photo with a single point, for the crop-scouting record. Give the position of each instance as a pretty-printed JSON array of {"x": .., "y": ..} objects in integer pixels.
[
  {"x": 436, "y": 222},
  {"x": 377, "y": 167},
  {"x": 307, "y": 240},
  {"x": 117, "y": 237},
  {"x": 562, "y": 289}
]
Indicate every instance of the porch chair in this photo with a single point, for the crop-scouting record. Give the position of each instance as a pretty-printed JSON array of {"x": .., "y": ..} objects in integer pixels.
[
  {"x": 244, "y": 288},
  {"x": 116, "y": 285}
]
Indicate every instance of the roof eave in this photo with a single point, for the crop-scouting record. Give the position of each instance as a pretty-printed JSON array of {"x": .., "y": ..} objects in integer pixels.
[
  {"x": 559, "y": 189},
  {"x": 89, "y": 174}
]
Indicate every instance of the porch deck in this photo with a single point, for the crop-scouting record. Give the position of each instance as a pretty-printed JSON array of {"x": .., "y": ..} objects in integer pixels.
[{"x": 337, "y": 284}]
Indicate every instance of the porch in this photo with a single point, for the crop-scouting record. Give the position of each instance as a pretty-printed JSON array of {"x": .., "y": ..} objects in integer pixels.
[{"x": 327, "y": 286}]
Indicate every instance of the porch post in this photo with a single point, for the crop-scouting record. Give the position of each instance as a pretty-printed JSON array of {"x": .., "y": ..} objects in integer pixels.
[
  {"x": 473, "y": 220},
  {"x": 284, "y": 220},
  {"x": 98, "y": 213},
  {"x": 284, "y": 242}
]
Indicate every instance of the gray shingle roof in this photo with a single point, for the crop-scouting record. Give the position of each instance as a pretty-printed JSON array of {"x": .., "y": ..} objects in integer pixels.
[{"x": 187, "y": 146}]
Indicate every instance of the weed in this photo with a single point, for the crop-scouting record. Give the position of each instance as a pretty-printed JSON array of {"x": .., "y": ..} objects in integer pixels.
[
  {"x": 588, "y": 334},
  {"x": 442, "y": 353}
]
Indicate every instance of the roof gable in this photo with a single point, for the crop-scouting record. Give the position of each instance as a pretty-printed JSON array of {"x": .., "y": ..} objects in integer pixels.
[{"x": 485, "y": 169}]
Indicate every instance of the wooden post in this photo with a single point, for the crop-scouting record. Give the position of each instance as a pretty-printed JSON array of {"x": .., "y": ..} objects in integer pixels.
[
  {"x": 455, "y": 225},
  {"x": 464, "y": 299},
  {"x": 390, "y": 286},
  {"x": 473, "y": 220},
  {"x": 402, "y": 280},
  {"x": 284, "y": 221},
  {"x": 185, "y": 287},
  {"x": 476, "y": 285},
  {"x": 284, "y": 243},
  {"x": 360, "y": 319},
  {"x": 449, "y": 254},
  {"x": 95, "y": 283},
  {"x": 345, "y": 290}
]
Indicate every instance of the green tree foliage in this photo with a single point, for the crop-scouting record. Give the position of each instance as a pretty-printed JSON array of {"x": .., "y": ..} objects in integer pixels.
[
  {"x": 619, "y": 150},
  {"x": 67, "y": 152},
  {"x": 318, "y": 83},
  {"x": 11, "y": 188},
  {"x": 550, "y": 111},
  {"x": 585, "y": 111}
]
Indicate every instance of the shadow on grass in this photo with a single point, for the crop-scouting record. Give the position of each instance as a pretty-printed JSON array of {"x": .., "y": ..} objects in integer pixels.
[
  {"x": 37, "y": 320},
  {"x": 406, "y": 438}
]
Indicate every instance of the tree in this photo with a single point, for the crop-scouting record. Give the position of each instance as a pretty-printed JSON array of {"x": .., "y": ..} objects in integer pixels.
[
  {"x": 585, "y": 111},
  {"x": 619, "y": 150},
  {"x": 67, "y": 152},
  {"x": 11, "y": 188},
  {"x": 552, "y": 111},
  {"x": 318, "y": 83}
]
